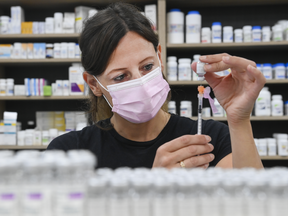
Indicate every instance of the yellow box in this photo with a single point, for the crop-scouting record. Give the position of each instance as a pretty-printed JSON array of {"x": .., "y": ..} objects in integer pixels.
[{"x": 27, "y": 27}]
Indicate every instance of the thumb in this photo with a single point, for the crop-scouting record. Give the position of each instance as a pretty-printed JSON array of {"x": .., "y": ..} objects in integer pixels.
[{"x": 194, "y": 66}]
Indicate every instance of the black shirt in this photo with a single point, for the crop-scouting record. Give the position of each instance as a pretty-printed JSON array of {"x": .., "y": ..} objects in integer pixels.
[{"x": 113, "y": 150}]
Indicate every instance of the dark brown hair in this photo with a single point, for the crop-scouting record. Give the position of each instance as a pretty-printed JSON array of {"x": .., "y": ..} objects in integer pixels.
[{"x": 99, "y": 39}]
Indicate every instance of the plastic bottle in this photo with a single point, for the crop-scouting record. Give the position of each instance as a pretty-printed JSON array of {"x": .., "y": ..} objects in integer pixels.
[
  {"x": 186, "y": 109},
  {"x": 238, "y": 35},
  {"x": 58, "y": 22},
  {"x": 4, "y": 24},
  {"x": 45, "y": 138},
  {"x": 71, "y": 50},
  {"x": 220, "y": 109},
  {"x": 194, "y": 74},
  {"x": 259, "y": 67},
  {"x": 57, "y": 50},
  {"x": 263, "y": 103},
  {"x": 77, "y": 51},
  {"x": 247, "y": 33},
  {"x": 53, "y": 133},
  {"x": 262, "y": 147},
  {"x": 277, "y": 33},
  {"x": 3, "y": 87},
  {"x": 172, "y": 107},
  {"x": 193, "y": 27},
  {"x": 286, "y": 70},
  {"x": 267, "y": 71},
  {"x": 272, "y": 148},
  {"x": 172, "y": 68},
  {"x": 175, "y": 29},
  {"x": 29, "y": 136},
  {"x": 64, "y": 50},
  {"x": 65, "y": 87},
  {"x": 206, "y": 35},
  {"x": 266, "y": 34},
  {"x": 49, "y": 51},
  {"x": 216, "y": 32},
  {"x": 227, "y": 34},
  {"x": 277, "y": 105},
  {"x": 282, "y": 143},
  {"x": 49, "y": 25},
  {"x": 184, "y": 69},
  {"x": 256, "y": 34},
  {"x": 279, "y": 71},
  {"x": 286, "y": 108}
]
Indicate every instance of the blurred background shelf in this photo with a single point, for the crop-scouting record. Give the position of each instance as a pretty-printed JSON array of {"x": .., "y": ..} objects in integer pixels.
[
  {"x": 178, "y": 83},
  {"x": 38, "y": 61},
  {"x": 252, "y": 118},
  {"x": 13, "y": 147},
  {"x": 72, "y": 97},
  {"x": 38, "y": 36}
]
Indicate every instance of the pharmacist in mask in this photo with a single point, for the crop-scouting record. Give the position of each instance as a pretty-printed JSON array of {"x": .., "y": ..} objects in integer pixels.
[{"x": 129, "y": 95}]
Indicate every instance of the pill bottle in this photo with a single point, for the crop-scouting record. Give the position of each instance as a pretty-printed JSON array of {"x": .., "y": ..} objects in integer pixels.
[
  {"x": 238, "y": 35},
  {"x": 45, "y": 137},
  {"x": 227, "y": 34},
  {"x": 263, "y": 103},
  {"x": 172, "y": 68},
  {"x": 262, "y": 147},
  {"x": 184, "y": 69},
  {"x": 53, "y": 133},
  {"x": 195, "y": 59},
  {"x": 286, "y": 65},
  {"x": 49, "y": 50},
  {"x": 216, "y": 32},
  {"x": 29, "y": 137},
  {"x": 49, "y": 25},
  {"x": 193, "y": 27},
  {"x": 220, "y": 110},
  {"x": 279, "y": 71},
  {"x": 175, "y": 28},
  {"x": 267, "y": 71},
  {"x": 71, "y": 50},
  {"x": 77, "y": 51},
  {"x": 277, "y": 105},
  {"x": 17, "y": 50},
  {"x": 247, "y": 33},
  {"x": 206, "y": 112},
  {"x": 172, "y": 107},
  {"x": 4, "y": 24},
  {"x": 92, "y": 12},
  {"x": 21, "y": 138},
  {"x": 57, "y": 50},
  {"x": 64, "y": 50},
  {"x": 10, "y": 87},
  {"x": 256, "y": 34},
  {"x": 277, "y": 33},
  {"x": 282, "y": 143},
  {"x": 259, "y": 67},
  {"x": 266, "y": 34},
  {"x": 65, "y": 87},
  {"x": 186, "y": 109},
  {"x": 286, "y": 108},
  {"x": 272, "y": 147},
  {"x": 58, "y": 22},
  {"x": 3, "y": 87},
  {"x": 206, "y": 35}
]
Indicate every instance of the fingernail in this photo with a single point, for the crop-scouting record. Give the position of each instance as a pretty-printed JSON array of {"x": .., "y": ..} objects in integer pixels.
[
  {"x": 207, "y": 67},
  {"x": 212, "y": 156},
  {"x": 206, "y": 166},
  {"x": 208, "y": 138},
  {"x": 211, "y": 146},
  {"x": 203, "y": 57},
  {"x": 225, "y": 58}
]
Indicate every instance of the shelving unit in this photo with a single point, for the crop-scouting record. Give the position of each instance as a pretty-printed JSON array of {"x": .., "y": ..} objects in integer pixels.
[
  {"x": 252, "y": 118},
  {"x": 38, "y": 61},
  {"x": 13, "y": 147},
  {"x": 38, "y": 36},
  {"x": 196, "y": 83},
  {"x": 71, "y": 97}
]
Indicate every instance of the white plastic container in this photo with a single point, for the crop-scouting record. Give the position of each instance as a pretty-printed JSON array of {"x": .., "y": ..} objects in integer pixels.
[
  {"x": 76, "y": 81},
  {"x": 282, "y": 143},
  {"x": 263, "y": 103},
  {"x": 45, "y": 138},
  {"x": 272, "y": 147},
  {"x": 277, "y": 105},
  {"x": 71, "y": 50},
  {"x": 21, "y": 138},
  {"x": 220, "y": 110},
  {"x": 206, "y": 35},
  {"x": 186, "y": 109},
  {"x": 256, "y": 34},
  {"x": 172, "y": 107},
  {"x": 184, "y": 69},
  {"x": 266, "y": 34},
  {"x": 206, "y": 112},
  {"x": 4, "y": 24},
  {"x": 238, "y": 35},
  {"x": 286, "y": 108},
  {"x": 17, "y": 50},
  {"x": 259, "y": 67},
  {"x": 277, "y": 33},
  {"x": 175, "y": 26},
  {"x": 3, "y": 87},
  {"x": 227, "y": 34},
  {"x": 247, "y": 33},
  {"x": 65, "y": 87},
  {"x": 10, "y": 87},
  {"x": 64, "y": 50},
  {"x": 216, "y": 32},
  {"x": 29, "y": 137},
  {"x": 77, "y": 51},
  {"x": 193, "y": 27},
  {"x": 172, "y": 68},
  {"x": 49, "y": 50},
  {"x": 194, "y": 74},
  {"x": 49, "y": 25},
  {"x": 279, "y": 71},
  {"x": 262, "y": 147},
  {"x": 58, "y": 22},
  {"x": 267, "y": 71},
  {"x": 57, "y": 50},
  {"x": 53, "y": 133},
  {"x": 59, "y": 87}
]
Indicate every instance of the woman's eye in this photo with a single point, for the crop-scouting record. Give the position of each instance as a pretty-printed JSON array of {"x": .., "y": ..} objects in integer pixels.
[
  {"x": 148, "y": 67},
  {"x": 119, "y": 78}
]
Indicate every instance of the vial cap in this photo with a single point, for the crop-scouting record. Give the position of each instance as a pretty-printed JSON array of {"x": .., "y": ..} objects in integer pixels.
[
  {"x": 193, "y": 12},
  {"x": 276, "y": 97},
  {"x": 175, "y": 10},
  {"x": 266, "y": 28},
  {"x": 256, "y": 27},
  {"x": 184, "y": 60},
  {"x": 216, "y": 23},
  {"x": 49, "y": 19},
  {"x": 58, "y": 15},
  {"x": 267, "y": 65},
  {"x": 286, "y": 102},
  {"x": 247, "y": 28}
]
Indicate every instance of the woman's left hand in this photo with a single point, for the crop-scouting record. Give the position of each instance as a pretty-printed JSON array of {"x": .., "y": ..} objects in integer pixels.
[{"x": 238, "y": 91}]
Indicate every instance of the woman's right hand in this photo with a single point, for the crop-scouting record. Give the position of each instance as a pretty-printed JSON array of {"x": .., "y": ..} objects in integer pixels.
[{"x": 191, "y": 149}]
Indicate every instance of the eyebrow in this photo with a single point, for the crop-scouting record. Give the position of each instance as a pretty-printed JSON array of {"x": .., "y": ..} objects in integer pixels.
[{"x": 118, "y": 69}]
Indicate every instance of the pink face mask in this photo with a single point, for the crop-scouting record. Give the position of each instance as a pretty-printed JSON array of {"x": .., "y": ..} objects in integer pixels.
[{"x": 139, "y": 100}]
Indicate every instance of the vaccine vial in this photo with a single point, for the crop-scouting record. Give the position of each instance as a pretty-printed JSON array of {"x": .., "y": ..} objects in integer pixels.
[{"x": 200, "y": 71}]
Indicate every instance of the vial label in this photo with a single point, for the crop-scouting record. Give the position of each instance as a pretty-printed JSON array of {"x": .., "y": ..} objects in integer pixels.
[
  {"x": 141, "y": 207},
  {"x": 277, "y": 206},
  {"x": 175, "y": 28},
  {"x": 220, "y": 110},
  {"x": 32, "y": 204},
  {"x": 187, "y": 206},
  {"x": 277, "y": 36},
  {"x": 184, "y": 112},
  {"x": 228, "y": 37},
  {"x": 266, "y": 37},
  {"x": 233, "y": 206},
  {"x": 210, "y": 206},
  {"x": 172, "y": 110},
  {"x": 271, "y": 150},
  {"x": 247, "y": 37},
  {"x": 216, "y": 34},
  {"x": 277, "y": 109},
  {"x": 57, "y": 53},
  {"x": 238, "y": 38},
  {"x": 256, "y": 207},
  {"x": 96, "y": 205},
  {"x": 49, "y": 53},
  {"x": 70, "y": 204},
  {"x": 206, "y": 38}
]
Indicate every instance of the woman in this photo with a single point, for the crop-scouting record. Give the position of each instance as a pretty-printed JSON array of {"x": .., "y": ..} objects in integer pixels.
[{"x": 123, "y": 68}]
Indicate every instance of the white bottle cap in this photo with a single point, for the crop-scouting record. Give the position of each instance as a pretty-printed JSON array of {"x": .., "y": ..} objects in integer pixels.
[
  {"x": 227, "y": 28},
  {"x": 49, "y": 19},
  {"x": 247, "y": 28},
  {"x": 238, "y": 31},
  {"x": 58, "y": 15},
  {"x": 184, "y": 60},
  {"x": 276, "y": 97},
  {"x": 172, "y": 58},
  {"x": 206, "y": 30},
  {"x": 172, "y": 104},
  {"x": 196, "y": 57},
  {"x": 187, "y": 103}
]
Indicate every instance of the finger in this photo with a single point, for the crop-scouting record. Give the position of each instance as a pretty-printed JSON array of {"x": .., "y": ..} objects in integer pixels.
[
  {"x": 238, "y": 62},
  {"x": 184, "y": 141},
  {"x": 259, "y": 78},
  {"x": 190, "y": 151},
  {"x": 194, "y": 66},
  {"x": 216, "y": 67},
  {"x": 213, "y": 58},
  {"x": 205, "y": 166},
  {"x": 198, "y": 160}
]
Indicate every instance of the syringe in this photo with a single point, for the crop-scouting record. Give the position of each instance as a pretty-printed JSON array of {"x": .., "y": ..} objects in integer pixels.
[{"x": 200, "y": 106}]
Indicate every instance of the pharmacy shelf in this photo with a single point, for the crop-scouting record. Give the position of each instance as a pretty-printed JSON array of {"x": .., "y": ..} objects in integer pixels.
[
  {"x": 179, "y": 83},
  {"x": 274, "y": 157},
  {"x": 15, "y": 147},
  {"x": 72, "y": 97},
  {"x": 38, "y": 36},
  {"x": 38, "y": 61},
  {"x": 209, "y": 3},
  {"x": 252, "y": 118}
]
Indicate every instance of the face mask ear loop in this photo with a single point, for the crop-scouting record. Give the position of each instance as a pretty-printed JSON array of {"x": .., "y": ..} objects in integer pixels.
[{"x": 103, "y": 94}]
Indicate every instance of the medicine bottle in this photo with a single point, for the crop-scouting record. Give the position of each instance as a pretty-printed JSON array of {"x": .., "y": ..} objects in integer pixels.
[
  {"x": 172, "y": 68},
  {"x": 77, "y": 51},
  {"x": 57, "y": 50},
  {"x": 17, "y": 50},
  {"x": 49, "y": 25},
  {"x": 262, "y": 147},
  {"x": 71, "y": 50},
  {"x": 49, "y": 51},
  {"x": 227, "y": 34},
  {"x": 172, "y": 107},
  {"x": 186, "y": 109},
  {"x": 53, "y": 133},
  {"x": 266, "y": 34},
  {"x": 256, "y": 34},
  {"x": 272, "y": 148},
  {"x": 247, "y": 33},
  {"x": 193, "y": 27},
  {"x": 277, "y": 105},
  {"x": 267, "y": 71},
  {"x": 58, "y": 22},
  {"x": 282, "y": 143},
  {"x": 184, "y": 69},
  {"x": 277, "y": 33},
  {"x": 206, "y": 35},
  {"x": 10, "y": 87},
  {"x": 45, "y": 137},
  {"x": 64, "y": 50},
  {"x": 195, "y": 59},
  {"x": 279, "y": 71},
  {"x": 206, "y": 112},
  {"x": 286, "y": 65},
  {"x": 3, "y": 87},
  {"x": 220, "y": 110},
  {"x": 238, "y": 35},
  {"x": 216, "y": 32},
  {"x": 175, "y": 29},
  {"x": 286, "y": 108},
  {"x": 29, "y": 137},
  {"x": 259, "y": 67},
  {"x": 263, "y": 103},
  {"x": 4, "y": 24}
]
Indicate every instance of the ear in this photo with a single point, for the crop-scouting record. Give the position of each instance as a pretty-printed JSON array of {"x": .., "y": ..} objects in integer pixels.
[
  {"x": 160, "y": 57},
  {"x": 92, "y": 83}
]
